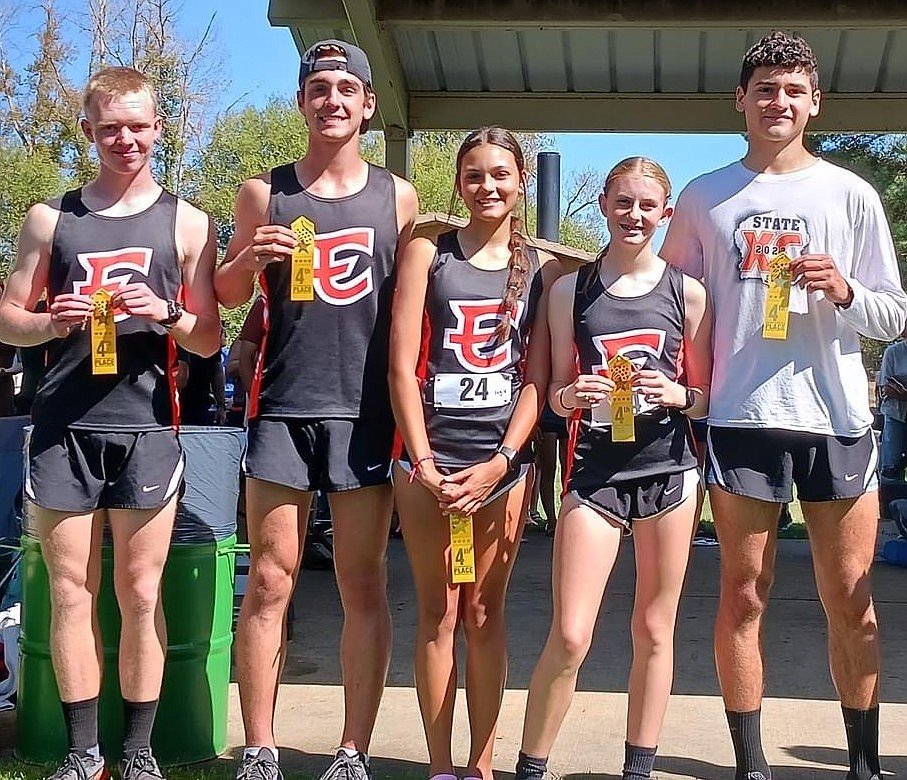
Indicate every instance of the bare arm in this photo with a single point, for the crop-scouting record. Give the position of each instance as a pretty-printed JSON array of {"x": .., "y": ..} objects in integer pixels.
[
  {"x": 405, "y": 340},
  {"x": 407, "y": 203},
  {"x": 538, "y": 364},
  {"x": 20, "y": 326},
  {"x": 253, "y": 245},
  {"x": 563, "y": 352},
  {"x": 697, "y": 345},
  {"x": 198, "y": 330}
]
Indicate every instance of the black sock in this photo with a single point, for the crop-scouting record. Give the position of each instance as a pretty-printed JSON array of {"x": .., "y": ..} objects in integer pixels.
[
  {"x": 862, "y": 727},
  {"x": 81, "y": 724},
  {"x": 746, "y": 734},
  {"x": 138, "y": 720},
  {"x": 529, "y": 767},
  {"x": 638, "y": 762}
]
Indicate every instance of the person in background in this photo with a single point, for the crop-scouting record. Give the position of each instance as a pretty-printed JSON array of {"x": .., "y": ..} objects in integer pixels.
[
  {"x": 8, "y": 368},
  {"x": 891, "y": 384},
  {"x": 201, "y": 384}
]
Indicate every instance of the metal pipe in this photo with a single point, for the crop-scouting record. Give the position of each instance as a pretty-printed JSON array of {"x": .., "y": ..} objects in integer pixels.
[{"x": 549, "y": 195}]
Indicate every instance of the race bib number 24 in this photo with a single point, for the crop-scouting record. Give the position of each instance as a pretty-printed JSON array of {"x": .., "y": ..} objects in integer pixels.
[{"x": 471, "y": 391}]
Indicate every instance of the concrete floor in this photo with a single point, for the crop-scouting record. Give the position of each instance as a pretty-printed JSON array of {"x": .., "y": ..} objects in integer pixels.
[{"x": 802, "y": 727}]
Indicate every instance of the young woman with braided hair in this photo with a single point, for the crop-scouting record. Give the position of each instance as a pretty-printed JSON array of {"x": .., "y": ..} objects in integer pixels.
[
  {"x": 628, "y": 304},
  {"x": 467, "y": 383}
]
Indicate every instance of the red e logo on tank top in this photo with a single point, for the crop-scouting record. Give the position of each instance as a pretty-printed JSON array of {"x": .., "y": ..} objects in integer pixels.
[
  {"x": 471, "y": 340},
  {"x": 100, "y": 265},
  {"x": 636, "y": 345},
  {"x": 336, "y": 255}
]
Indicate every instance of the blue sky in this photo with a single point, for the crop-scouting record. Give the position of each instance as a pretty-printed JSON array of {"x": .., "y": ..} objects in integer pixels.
[{"x": 261, "y": 61}]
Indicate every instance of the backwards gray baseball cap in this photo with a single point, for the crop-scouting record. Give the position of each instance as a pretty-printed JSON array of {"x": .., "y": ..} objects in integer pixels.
[{"x": 356, "y": 61}]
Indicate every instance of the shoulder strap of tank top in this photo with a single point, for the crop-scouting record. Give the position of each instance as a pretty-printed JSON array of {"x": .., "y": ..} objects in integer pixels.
[
  {"x": 584, "y": 288},
  {"x": 284, "y": 181},
  {"x": 674, "y": 280},
  {"x": 71, "y": 203}
]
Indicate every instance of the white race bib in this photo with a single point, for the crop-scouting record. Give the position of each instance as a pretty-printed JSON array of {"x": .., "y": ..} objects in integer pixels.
[{"x": 471, "y": 391}]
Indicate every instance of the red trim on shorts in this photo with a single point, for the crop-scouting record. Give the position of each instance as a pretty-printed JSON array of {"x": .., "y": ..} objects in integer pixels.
[
  {"x": 421, "y": 374},
  {"x": 260, "y": 358}
]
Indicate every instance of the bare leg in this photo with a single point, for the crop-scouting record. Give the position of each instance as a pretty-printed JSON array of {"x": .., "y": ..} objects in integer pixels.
[
  {"x": 747, "y": 532},
  {"x": 842, "y": 539},
  {"x": 276, "y": 520},
  {"x": 361, "y": 521},
  {"x": 427, "y": 537},
  {"x": 662, "y": 547},
  {"x": 141, "y": 541},
  {"x": 497, "y": 530},
  {"x": 585, "y": 548},
  {"x": 71, "y": 547}
]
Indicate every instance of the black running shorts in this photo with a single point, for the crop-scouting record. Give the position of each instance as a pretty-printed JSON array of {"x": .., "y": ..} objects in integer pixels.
[
  {"x": 74, "y": 470},
  {"x": 624, "y": 503},
  {"x": 766, "y": 463},
  {"x": 330, "y": 455}
]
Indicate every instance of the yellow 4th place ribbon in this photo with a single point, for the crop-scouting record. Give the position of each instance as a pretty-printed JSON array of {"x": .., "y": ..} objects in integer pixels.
[
  {"x": 462, "y": 550},
  {"x": 103, "y": 334},
  {"x": 302, "y": 264},
  {"x": 777, "y": 300},
  {"x": 623, "y": 427}
]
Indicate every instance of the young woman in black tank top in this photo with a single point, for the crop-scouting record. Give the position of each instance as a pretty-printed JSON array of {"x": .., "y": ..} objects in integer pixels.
[
  {"x": 632, "y": 304},
  {"x": 466, "y": 385}
]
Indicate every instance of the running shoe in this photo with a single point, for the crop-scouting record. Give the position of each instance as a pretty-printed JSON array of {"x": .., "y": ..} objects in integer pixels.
[
  {"x": 347, "y": 767},
  {"x": 78, "y": 766},
  {"x": 140, "y": 766},
  {"x": 260, "y": 767}
]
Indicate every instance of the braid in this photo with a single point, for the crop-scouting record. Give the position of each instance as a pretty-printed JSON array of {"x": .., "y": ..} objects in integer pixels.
[{"x": 518, "y": 268}]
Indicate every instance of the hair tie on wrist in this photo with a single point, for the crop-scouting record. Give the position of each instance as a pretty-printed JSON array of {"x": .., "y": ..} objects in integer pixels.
[
  {"x": 560, "y": 400},
  {"x": 417, "y": 467}
]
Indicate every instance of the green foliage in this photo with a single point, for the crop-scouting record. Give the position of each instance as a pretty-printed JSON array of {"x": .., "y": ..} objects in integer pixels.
[
  {"x": 243, "y": 145},
  {"x": 434, "y": 156},
  {"x": 25, "y": 178}
]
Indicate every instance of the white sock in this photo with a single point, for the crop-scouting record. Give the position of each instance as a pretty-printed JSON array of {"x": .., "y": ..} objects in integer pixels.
[{"x": 353, "y": 753}]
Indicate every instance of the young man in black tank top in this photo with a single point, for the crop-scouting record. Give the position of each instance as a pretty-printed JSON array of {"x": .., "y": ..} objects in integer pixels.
[
  {"x": 319, "y": 410},
  {"x": 155, "y": 254}
]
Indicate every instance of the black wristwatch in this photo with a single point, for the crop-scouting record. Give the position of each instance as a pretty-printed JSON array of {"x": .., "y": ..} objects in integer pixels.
[
  {"x": 174, "y": 312},
  {"x": 509, "y": 453}
]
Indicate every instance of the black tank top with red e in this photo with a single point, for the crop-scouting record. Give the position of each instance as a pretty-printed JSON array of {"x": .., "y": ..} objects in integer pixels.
[
  {"x": 327, "y": 358},
  {"x": 471, "y": 377},
  {"x": 648, "y": 330},
  {"x": 91, "y": 251}
]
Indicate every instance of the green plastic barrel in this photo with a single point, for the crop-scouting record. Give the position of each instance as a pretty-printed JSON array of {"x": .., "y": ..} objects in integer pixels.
[{"x": 191, "y": 723}]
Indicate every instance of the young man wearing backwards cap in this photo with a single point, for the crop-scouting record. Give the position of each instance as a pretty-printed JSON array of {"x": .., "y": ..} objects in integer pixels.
[{"x": 320, "y": 236}]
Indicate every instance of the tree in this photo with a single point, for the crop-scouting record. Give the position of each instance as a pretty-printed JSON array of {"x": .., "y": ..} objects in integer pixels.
[{"x": 28, "y": 177}]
